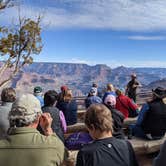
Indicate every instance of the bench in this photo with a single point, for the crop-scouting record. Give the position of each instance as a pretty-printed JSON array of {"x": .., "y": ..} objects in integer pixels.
[
  {"x": 81, "y": 116},
  {"x": 78, "y": 127},
  {"x": 141, "y": 146}
]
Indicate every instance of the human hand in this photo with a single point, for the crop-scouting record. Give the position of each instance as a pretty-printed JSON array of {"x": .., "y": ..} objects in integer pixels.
[
  {"x": 134, "y": 86},
  {"x": 45, "y": 123}
]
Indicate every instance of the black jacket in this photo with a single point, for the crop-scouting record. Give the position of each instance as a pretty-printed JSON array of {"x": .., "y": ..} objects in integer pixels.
[
  {"x": 56, "y": 123},
  {"x": 154, "y": 122},
  {"x": 107, "y": 152},
  {"x": 69, "y": 109},
  {"x": 118, "y": 119}
]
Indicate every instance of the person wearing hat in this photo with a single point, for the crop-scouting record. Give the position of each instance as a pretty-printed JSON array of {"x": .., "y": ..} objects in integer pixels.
[
  {"x": 132, "y": 86},
  {"x": 24, "y": 145},
  {"x": 63, "y": 89},
  {"x": 92, "y": 97},
  {"x": 117, "y": 116},
  {"x": 68, "y": 106},
  {"x": 38, "y": 94},
  {"x": 151, "y": 122}
]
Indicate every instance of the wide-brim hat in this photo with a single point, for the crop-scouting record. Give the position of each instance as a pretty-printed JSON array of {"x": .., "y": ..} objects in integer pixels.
[{"x": 159, "y": 92}]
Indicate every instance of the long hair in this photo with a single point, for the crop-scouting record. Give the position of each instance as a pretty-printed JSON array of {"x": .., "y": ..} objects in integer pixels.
[
  {"x": 110, "y": 87},
  {"x": 68, "y": 95}
]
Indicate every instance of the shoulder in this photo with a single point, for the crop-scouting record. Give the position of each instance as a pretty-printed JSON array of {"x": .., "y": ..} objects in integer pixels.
[
  {"x": 130, "y": 82},
  {"x": 90, "y": 148},
  {"x": 97, "y": 145},
  {"x": 50, "y": 109}
]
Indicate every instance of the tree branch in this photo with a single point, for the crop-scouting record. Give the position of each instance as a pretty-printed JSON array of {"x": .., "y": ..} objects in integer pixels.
[
  {"x": 5, "y": 66},
  {"x": 3, "y": 5},
  {"x": 3, "y": 83}
]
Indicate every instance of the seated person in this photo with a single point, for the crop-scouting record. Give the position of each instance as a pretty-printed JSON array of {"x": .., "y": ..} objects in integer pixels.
[
  {"x": 110, "y": 91},
  {"x": 151, "y": 122},
  {"x": 117, "y": 116},
  {"x": 25, "y": 146},
  {"x": 63, "y": 89},
  {"x": 105, "y": 150},
  {"x": 59, "y": 123},
  {"x": 38, "y": 94},
  {"x": 68, "y": 106},
  {"x": 124, "y": 103},
  {"x": 8, "y": 96},
  {"x": 92, "y": 98}
]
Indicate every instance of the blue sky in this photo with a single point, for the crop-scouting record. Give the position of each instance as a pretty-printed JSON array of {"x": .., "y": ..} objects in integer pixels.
[{"x": 113, "y": 32}]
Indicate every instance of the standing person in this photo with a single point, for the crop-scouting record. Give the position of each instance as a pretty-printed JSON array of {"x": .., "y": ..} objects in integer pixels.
[
  {"x": 132, "y": 86},
  {"x": 59, "y": 123},
  {"x": 92, "y": 98},
  {"x": 38, "y": 94},
  {"x": 105, "y": 150},
  {"x": 8, "y": 96},
  {"x": 25, "y": 146},
  {"x": 68, "y": 106},
  {"x": 124, "y": 103}
]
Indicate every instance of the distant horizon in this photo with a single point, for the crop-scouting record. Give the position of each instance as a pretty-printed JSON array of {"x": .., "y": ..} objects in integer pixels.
[{"x": 98, "y": 64}]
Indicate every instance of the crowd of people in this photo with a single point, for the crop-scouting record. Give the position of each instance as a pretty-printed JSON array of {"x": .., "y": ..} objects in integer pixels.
[{"x": 33, "y": 126}]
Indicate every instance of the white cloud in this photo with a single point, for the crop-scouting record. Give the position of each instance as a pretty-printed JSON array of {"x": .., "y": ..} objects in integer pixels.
[
  {"x": 147, "y": 37},
  {"x": 134, "y": 15},
  {"x": 77, "y": 60}
]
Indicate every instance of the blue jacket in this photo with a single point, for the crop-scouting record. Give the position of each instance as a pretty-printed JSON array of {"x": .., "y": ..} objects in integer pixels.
[
  {"x": 142, "y": 114},
  {"x": 92, "y": 100},
  {"x": 69, "y": 110},
  {"x": 40, "y": 98}
]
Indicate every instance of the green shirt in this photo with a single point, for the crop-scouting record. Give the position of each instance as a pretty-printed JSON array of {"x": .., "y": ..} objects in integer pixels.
[{"x": 27, "y": 147}]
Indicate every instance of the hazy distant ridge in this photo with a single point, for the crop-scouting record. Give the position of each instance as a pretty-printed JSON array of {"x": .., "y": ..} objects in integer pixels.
[{"x": 81, "y": 76}]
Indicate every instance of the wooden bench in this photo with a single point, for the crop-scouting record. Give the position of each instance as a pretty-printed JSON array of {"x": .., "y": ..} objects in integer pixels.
[
  {"x": 81, "y": 116},
  {"x": 141, "y": 146},
  {"x": 78, "y": 127}
]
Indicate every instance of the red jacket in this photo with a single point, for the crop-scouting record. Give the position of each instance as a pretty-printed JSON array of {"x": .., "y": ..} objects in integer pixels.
[{"x": 127, "y": 102}]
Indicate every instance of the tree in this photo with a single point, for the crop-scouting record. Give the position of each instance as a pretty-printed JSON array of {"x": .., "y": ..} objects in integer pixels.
[
  {"x": 5, "y": 3},
  {"x": 18, "y": 45}
]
